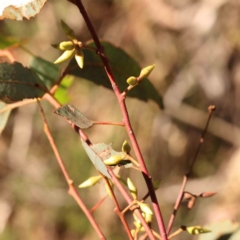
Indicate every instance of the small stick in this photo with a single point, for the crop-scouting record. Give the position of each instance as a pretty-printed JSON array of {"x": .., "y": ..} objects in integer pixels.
[
  {"x": 211, "y": 108},
  {"x": 72, "y": 190}
]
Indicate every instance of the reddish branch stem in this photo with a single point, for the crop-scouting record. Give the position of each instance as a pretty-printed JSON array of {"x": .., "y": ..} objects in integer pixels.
[
  {"x": 126, "y": 119},
  {"x": 55, "y": 103},
  {"x": 72, "y": 190},
  {"x": 185, "y": 178},
  {"x": 118, "y": 211}
]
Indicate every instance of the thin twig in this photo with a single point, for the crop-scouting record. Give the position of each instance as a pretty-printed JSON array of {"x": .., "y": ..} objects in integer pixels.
[
  {"x": 17, "y": 104},
  {"x": 118, "y": 211},
  {"x": 121, "y": 124},
  {"x": 72, "y": 190},
  {"x": 126, "y": 119},
  {"x": 98, "y": 204},
  {"x": 185, "y": 178}
]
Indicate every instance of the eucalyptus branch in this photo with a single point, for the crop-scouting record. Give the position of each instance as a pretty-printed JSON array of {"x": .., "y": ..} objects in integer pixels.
[
  {"x": 126, "y": 119},
  {"x": 211, "y": 108},
  {"x": 115, "y": 180},
  {"x": 72, "y": 190}
]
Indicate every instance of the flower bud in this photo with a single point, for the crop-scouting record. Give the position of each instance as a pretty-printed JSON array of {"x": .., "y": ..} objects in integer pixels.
[
  {"x": 145, "y": 208},
  {"x": 65, "y": 56},
  {"x": 115, "y": 160},
  {"x": 145, "y": 72},
  {"x": 126, "y": 147},
  {"x": 132, "y": 188},
  {"x": 90, "y": 182},
  {"x": 156, "y": 184},
  {"x": 132, "y": 81},
  {"x": 79, "y": 58},
  {"x": 65, "y": 45},
  {"x": 197, "y": 230}
]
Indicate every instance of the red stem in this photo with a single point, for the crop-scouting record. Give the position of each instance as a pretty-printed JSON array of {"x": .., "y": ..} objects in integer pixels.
[
  {"x": 72, "y": 190},
  {"x": 124, "y": 193},
  {"x": 126, "y": 120},
  {"x": 211, "y": 108},
  {"x": 118, "y": 211}
]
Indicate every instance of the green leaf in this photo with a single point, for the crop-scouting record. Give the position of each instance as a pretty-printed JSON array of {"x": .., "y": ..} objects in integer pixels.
[
  {"x": 6, "y": 42},
  {"x": 47, "y": 71},
  {"x": 61, "y": 93},
  {"x": 18, "y": 82},
  {"x": 3, "y": 116},
  {"x": 74, "y": 116},
  {"x": 122, "y": 65},
  {"x": 96, "y": 160}
]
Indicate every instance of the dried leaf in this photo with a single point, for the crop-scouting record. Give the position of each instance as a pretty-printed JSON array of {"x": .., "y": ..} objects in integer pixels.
[
  {"x": 74, "y": 116},
  {"x": 18, "y": 9}
]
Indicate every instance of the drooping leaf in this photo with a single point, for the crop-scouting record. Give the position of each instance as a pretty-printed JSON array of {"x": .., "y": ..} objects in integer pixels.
[
  {"x": 3, "y": 116},
  {"x": 96, "y": 160},
  {"x": 18, "y": 82},
  {"x": 123, "y": 67},
  {"x": 6, "y": 42},
  {"x": 47, "y": 71},
  {"x": 74, "y": 116},
  {"x": 18, "y": 9},
  {"x": 61, "y": 93}
]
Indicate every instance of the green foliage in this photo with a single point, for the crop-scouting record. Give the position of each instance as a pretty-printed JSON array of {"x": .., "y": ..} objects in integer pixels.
[
  {"x": 18, "y": 82},
  {"x": 48, "y": 72},
  {"x": 6, "y": 42},
  {"x": 61, "y": 94},
  {"x": 122, "y": 65}
]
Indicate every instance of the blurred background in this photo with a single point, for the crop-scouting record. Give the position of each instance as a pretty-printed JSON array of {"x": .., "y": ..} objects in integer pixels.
[{"x": 195, "y": 45}]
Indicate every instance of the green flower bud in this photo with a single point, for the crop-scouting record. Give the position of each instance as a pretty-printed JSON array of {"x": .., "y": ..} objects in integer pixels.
[
  {"x": 145, "y": 72},
  {"x": 65, "y": 45},
  {"x": 68, "y": 31},
  {"x": 138, "y": 225},
  {"x": 196, "y": 230},
  {"x": 132, "y": 188},
  {"x": 65, "y": 56},
  {"x": 90, "y": 182},
  {"x": 126, "y": 147},
  {"x": 79, "y": 58},
  {"x": 145, "y": 208},
  {"x": 133, "y": 232},
  {"x": 148, "y": 217},
  {"x": 132, "y": 81},
  {"x": 115, "y": 160},
  {"x": 156, "y": 184}
]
